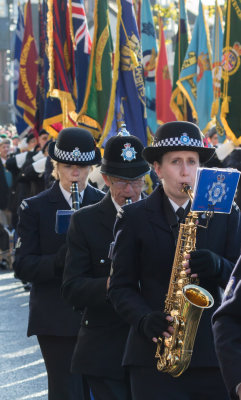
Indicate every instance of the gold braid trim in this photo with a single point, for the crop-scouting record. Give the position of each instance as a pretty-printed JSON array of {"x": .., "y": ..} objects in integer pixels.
[
  {"x": 114, "y": 78},
  {"x": 50, "y": 47}
]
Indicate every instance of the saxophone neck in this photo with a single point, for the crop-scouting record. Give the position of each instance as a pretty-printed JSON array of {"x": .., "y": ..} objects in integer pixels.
[{"x": 187, "y": 189}]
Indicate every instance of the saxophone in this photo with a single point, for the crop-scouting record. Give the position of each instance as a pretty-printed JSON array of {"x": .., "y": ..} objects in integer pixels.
[{"x": 185, "y": 302}]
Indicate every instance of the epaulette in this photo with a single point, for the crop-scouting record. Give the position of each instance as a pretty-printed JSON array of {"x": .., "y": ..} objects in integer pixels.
[
  {"x": 24, "y": 205},
  {"x": 228, "y": 293},
  {"x": 120, "y": 213},
  {"x": 236, "y": 207},
  {"x": 19, "y": 243}
]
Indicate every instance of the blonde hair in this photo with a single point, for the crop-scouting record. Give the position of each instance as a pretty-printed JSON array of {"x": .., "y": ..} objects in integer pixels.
[{"x": 55, "y": 172}]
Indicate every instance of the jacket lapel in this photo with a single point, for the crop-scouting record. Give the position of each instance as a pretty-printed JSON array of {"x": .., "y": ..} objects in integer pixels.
[
  {"x": 56, "y": 196},
  {"x": 155, "y": 209},
  {"x": 107, "y": 212}
]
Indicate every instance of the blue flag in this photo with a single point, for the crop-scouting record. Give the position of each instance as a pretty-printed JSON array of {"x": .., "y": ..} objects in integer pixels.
[
  {"x": 21, "y": 125},
  {"x": 217, "y": 71},
  {"x": 127, "y": 101},
  {"x": 149, "y": 53},
  {"x": 82, "y": 49},
  {"x": 195, "y": 80}
]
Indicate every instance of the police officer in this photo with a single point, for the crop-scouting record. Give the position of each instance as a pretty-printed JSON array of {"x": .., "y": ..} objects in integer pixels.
[
  {"x": 102, "y": 335},
  {"x": 40, "y": 256},
  {"x": 227, "y": 334},
  {"x": 145, "y": 237}
]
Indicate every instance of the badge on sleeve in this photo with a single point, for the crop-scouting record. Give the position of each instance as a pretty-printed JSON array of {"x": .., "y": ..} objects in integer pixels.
[{"x": 228, "y": 293}]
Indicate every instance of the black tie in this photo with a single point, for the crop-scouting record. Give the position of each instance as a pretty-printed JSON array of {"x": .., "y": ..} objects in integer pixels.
[{"x": 180, "y": 214}]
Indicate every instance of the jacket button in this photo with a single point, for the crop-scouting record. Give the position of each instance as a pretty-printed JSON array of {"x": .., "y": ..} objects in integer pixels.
[
  {"x": 86, "y": 322},
  {"x": 102, "y": 261}
]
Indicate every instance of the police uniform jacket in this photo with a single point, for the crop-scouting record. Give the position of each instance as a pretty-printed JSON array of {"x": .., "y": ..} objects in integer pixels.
[
  {"x": 103, "y": 333},
  {"x": 36, "y": 250},
  {"x": 227, "y": 332},
  {"x": 142, "y": 262}
]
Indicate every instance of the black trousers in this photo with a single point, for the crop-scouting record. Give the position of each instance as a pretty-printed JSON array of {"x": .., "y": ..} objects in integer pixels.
[
  {"x": 109, "y": 389},
  {"x": 57, "y": 353},
  {"x": 193, "y": 384}
]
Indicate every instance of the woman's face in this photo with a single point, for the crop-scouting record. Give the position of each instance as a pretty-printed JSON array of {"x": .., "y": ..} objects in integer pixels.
[{"x": 73, "y": 173}]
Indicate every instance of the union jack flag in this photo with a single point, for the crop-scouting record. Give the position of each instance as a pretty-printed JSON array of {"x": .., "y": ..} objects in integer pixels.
[{"x": 82, "y": 49}]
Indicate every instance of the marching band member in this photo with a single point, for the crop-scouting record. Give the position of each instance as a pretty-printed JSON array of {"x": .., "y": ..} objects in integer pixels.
[
  {"x": 103, "y": 333},
  {"x": 227, "y": 334},
  {"x": 145, "y": 236},
  {"x": 40, "y": 258}
]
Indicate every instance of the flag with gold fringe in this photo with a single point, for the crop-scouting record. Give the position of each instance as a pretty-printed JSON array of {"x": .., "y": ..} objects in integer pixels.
[
  {"x": 179, "y": 104},
  {"x": 163, "y": 82},
  {"x": 61, "y": 57},
  {"x": 127, "y": 101},
  {"x": 28, "y": 70},
  {"x": 195, "y": 80},
  {"x": 149, "y": 54},
  {"x": 95, "y": 106},
  {"x": 231, "y": 73},
  {"x": 217, "y": 71}
]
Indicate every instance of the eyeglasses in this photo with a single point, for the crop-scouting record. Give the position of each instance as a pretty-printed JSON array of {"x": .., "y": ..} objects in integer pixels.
[{"x": 123, "y": 184}]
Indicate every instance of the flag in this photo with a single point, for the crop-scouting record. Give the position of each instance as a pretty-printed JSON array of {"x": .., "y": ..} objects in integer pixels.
[
  {"x": 61, "y": 57},
  {"x": 20, "y": 124},
  {"x": 52, "y": 119},
  {"x": 94, "y": 111},
  {"x": 231, "y": 73},
  {"x": 163, "y": 82},
  {"x": 179, "y": 104},
  {"x": 82, "y": 48},
  {"x": 195, "y": 80},
  {"x": 217, "y": 71},
  {"x": 28, "y": 71},
  {"x": 149, "y": 55},
  {"x": 127, "y": 101}
]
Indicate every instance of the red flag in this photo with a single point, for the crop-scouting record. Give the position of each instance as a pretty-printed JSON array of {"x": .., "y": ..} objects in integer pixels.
[
  {"x": 28, "y": 71},
  {"x": 163, "y": 83}
]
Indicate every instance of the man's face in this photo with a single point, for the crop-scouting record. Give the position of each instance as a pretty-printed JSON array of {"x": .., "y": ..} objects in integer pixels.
[
  {"x": 42, "y": 140},
  {"x": 73, "y": 173},
  {"x": 176, "y": 168},
  {"x": 123, "y": 189},
  {"x": 4, "y": 150}
]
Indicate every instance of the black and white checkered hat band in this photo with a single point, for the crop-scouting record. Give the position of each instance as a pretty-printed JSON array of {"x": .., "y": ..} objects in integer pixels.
[
  {"x": 177, "y": 141},
  {"x": 75, "y": 155}
]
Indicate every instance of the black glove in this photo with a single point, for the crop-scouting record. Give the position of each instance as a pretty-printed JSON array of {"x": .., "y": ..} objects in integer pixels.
[
  {"x": 153, "y": 324},
  {"x": 205, "y": 263},
  {"x": 59, "y": 261}
]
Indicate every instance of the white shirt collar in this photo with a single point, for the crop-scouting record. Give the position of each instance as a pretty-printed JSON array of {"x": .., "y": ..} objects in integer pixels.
[
  {"x": 176, "y": 206},
  {"x": 67, "y": 195}
]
